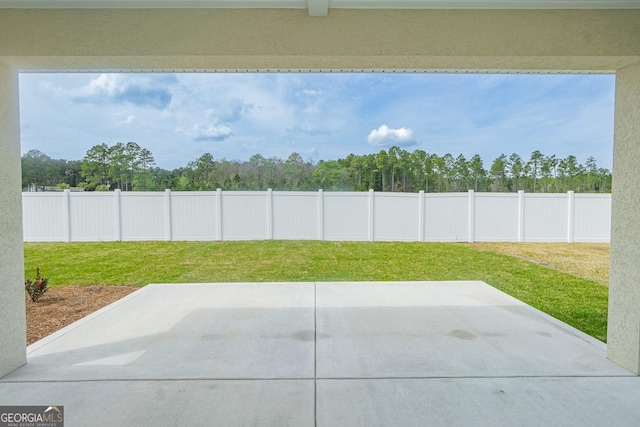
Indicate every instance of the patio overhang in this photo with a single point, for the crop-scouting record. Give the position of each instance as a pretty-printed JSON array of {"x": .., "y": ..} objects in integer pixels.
[
  {"x": 321, "y": 7},
  {"x": 214, "y": 39},
  {"x": 372, "y": 39}
]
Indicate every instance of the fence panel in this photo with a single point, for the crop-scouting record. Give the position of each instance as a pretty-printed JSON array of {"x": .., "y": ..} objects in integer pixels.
[
  {"x": 93, "y": 217},
  {"x": 592, "y": 218},
  {"x": 446, "y": 217},
  {"x": 396, "y": 217},
  {"x": 194, "y": 216},
  {"x": 143, "y": 216},
  {"x": 295, "y": 215},
  {"x": 44, "y": 217},
  {"x": 346, "y": 216},
  {"x": 545, "y": 217},
  {"x": 496, "y": 217},
  {"x": 245, "y": 215}
]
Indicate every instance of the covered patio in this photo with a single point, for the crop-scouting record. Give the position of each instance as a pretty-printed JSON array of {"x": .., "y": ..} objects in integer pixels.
[
  {"x": 304, "y": 354},
  {"x": 576, "y": 36}
]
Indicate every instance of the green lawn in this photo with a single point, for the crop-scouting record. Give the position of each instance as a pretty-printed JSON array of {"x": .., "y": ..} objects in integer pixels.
[{"x": 579, "y": 302}]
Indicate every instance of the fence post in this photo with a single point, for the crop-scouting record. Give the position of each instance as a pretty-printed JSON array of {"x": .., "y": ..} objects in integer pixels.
[
  {"x": 520, "y": 215},
  {"x": 219, "y": 213},
  {"x": 269, "y": 214},
  {"x": 67, "y": 215},
  {"x": 570, "y": 216},
  {"x": 320, "y": 214},
  {"x": 371, "y": 215},
  {"x": 421, "y": 216},
  {"x": 472, "y": 216},
  {"x": 118, "y": 207},
  {"x": 167, "y": 208}
]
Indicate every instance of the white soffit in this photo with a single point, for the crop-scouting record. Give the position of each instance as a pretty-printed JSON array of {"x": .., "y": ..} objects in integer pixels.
[
  {"x": 321, "y": 7},
  {"x": 155, "y": 4},
  {"x": 319, "y": 70},
  {"x": 485, "y": 4}
]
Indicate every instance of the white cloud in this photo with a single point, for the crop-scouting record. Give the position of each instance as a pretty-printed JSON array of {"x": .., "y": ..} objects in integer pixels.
[
  {"x": 210, "y": 132},
  {"x": 104, "y": 84},
  {"x": 385, "y": 136},
  {"x": 142, "y": 90}
]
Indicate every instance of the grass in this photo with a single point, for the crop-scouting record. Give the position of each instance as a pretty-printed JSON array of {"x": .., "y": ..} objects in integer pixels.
[
  {"x": 587, "y": 260},
  {"x": 577, "y": 301}
]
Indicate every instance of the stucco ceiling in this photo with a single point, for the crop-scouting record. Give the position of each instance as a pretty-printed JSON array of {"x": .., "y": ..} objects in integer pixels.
[{"x": 321, "y": 7}]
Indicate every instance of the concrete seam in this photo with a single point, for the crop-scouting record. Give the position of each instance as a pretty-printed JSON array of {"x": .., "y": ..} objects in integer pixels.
[
  {"x": 487, "y": 377},
  {"x": 133, "y": 380},
  {"x": 503, "y": 377}
]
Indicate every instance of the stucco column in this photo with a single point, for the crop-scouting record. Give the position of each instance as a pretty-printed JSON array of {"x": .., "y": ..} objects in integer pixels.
[
  {"x": 12, "y": 309},
  {"x": 624, "y": 288}
]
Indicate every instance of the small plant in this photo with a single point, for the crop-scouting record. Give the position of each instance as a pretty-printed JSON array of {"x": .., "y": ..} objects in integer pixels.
[{"x": 37, "y": 287}]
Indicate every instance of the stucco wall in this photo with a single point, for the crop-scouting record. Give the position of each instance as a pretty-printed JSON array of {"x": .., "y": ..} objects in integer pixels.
[
  {"x": 624, "y": 287},
  {"x": 12, "y": 308},
  {"x": 281, "y": 38}
]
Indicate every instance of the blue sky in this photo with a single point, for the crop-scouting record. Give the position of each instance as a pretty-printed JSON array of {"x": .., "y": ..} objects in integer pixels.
[{"x": 321, "y": 116}]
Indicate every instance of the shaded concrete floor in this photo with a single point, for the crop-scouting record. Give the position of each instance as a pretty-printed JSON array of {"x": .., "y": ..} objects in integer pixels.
[{"x": 327, "y": 354}]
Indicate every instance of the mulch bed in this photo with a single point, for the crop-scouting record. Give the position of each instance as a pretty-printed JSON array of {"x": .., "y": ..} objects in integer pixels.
[{"x": 63, "y": 305}]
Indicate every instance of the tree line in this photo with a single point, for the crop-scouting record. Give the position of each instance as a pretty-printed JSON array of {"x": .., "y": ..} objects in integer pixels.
[{"x": 129, "y": 167}]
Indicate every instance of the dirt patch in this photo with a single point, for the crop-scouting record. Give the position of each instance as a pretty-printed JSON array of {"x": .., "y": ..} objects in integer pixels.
[
  {"x": 586, "y": 260},
  {"x": 63, "y": 305}
]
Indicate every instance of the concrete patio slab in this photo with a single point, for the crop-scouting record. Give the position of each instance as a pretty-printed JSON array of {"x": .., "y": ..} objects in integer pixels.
[
  {"x": 172, "y": 403},
  {"x": 445, "y": 329},
  {"x": 587, "y": 401},
  {"x": 324, "y": 354},
  {"x": 221, "y": 331}
]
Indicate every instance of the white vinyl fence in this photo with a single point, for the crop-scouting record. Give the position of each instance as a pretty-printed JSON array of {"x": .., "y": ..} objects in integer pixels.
[{"x": 348, "y": 216}]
